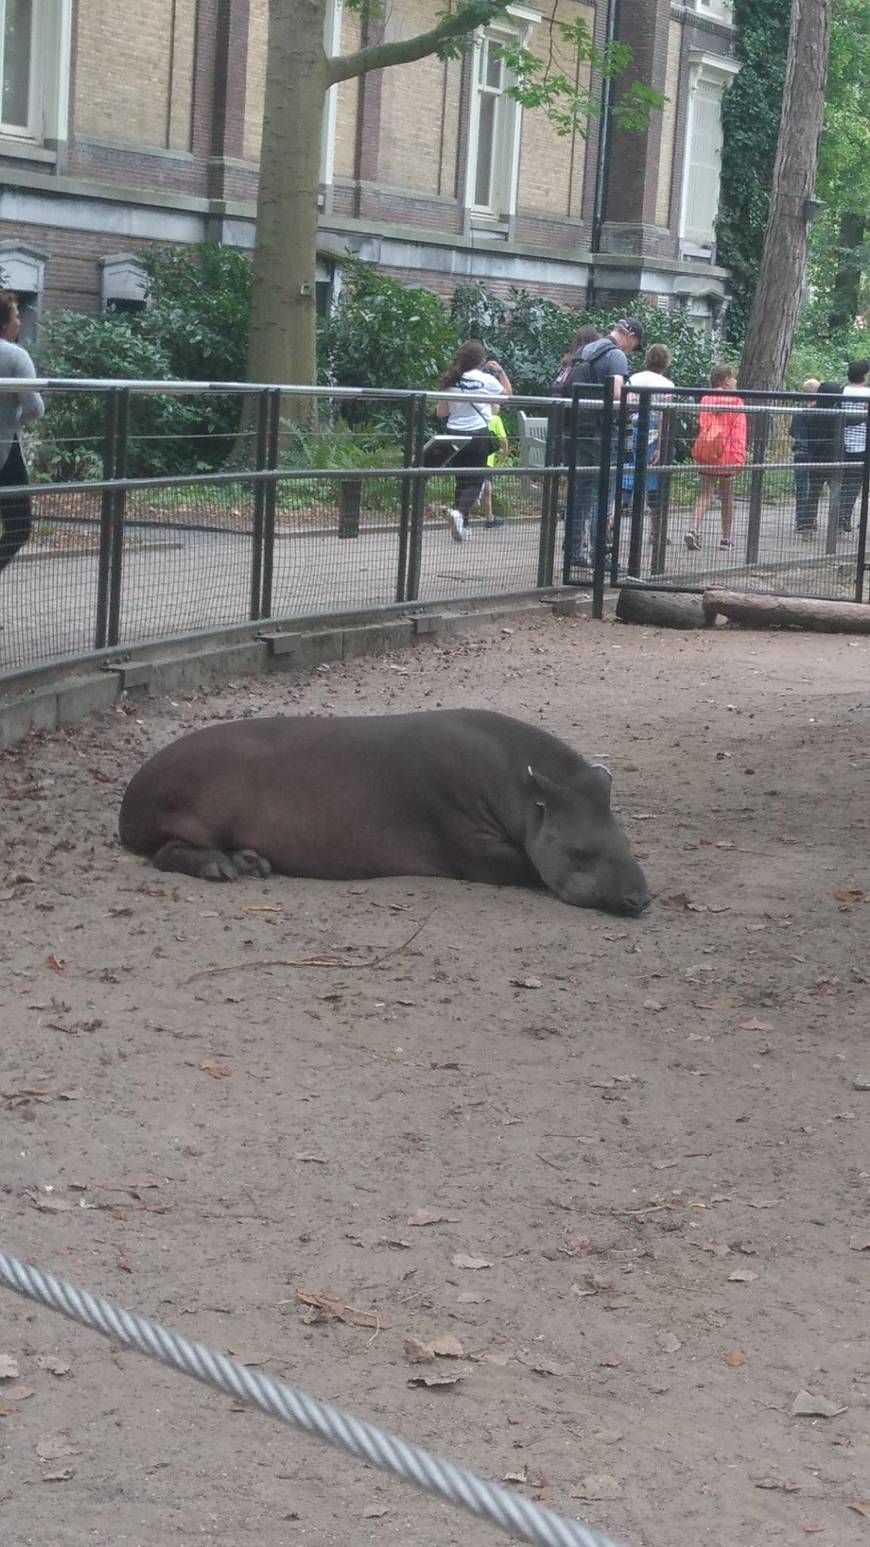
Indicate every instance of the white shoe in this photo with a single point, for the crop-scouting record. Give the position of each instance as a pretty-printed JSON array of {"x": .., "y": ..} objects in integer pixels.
[
  {"x": 467, "y": 534},
  {"x": 456, "y": 525}
]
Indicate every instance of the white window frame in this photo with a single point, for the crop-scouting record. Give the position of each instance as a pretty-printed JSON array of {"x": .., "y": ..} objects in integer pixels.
[
  {"x": 519, "y": 19},
  {"x": 123, "y": 278},
  {"x": 709, "y": 70},
  {"x": 717, "y": 10},
  {"x": 48, "y": 95},
  {"x": 23, "y": 272},
  {"x": 332, "y": 45}
]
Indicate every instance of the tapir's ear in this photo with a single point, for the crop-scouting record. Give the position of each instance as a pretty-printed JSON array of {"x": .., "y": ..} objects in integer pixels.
[
  {"x": 603, "y": 774},
  {"x": 545, "y": 789}
]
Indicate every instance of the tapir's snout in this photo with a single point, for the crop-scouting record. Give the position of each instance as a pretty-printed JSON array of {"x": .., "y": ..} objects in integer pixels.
[{"x": 636, "y": 903}]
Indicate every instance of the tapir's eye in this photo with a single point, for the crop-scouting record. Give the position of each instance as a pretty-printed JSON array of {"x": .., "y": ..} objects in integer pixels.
[{"x": 580, "y": 857}]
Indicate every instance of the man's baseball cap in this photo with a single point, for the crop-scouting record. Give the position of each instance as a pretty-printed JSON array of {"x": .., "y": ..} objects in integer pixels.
[{"x": 631, "y": 325}]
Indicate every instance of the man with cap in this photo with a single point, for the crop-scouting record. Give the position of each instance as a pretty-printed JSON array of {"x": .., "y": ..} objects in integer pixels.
[{"x": 598, "y": 362}]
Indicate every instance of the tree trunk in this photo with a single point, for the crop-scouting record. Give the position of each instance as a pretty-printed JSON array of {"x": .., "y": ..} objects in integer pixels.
[
  {"x": 847, "y": 284},
  {"x": 282, "y": 347},
  {"x": 773, "y": 319},
  {"x": 659, "y": 609},
  {"x": 788, "y": 612}
]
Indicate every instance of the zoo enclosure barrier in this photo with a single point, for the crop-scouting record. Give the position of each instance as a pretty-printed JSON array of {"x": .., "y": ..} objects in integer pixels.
[{"x": 164, "y": 509}]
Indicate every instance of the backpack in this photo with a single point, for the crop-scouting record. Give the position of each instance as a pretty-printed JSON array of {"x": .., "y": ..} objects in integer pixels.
[
  {"x": 578, "y": 372},
  {"x": 708, "y": 445}
]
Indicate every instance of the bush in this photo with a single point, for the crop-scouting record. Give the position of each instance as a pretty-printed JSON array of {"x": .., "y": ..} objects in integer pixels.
[{"x": 384, "y": 334}]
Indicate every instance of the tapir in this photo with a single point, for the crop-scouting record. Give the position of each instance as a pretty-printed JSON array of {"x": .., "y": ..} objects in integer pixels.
[{"x": 466, "y": 793}]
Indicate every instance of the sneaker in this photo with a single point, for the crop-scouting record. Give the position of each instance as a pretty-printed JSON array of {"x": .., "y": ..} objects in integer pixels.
[
  {"x": 726, "y": 543},
  {"x": 581, "y": 558},
  {"x": 456, "y": 525},
  {"x": 496, "y": 521},
  {"x": 467, "y": 534},
  {"x": 692, "y": 541},
  {"x": 806, "y": 534}
]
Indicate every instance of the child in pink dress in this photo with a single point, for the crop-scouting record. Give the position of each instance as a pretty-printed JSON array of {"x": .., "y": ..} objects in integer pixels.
[{"x": 727, "y": 432}]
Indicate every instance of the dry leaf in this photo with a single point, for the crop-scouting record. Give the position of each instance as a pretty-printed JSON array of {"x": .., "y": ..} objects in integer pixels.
[
  {"x": 417, "y": 1352},
  {"x": 330, "y": 1306},
  {"x": 54, "y": 1448},
  {"x": 526, "y": 983},
  {"x": 719, "y": 1002},
  {"x": 808, "y": 1405},
  {"x": 742, "y": 1276},
  {"x": 763, "y": 1203},
  {"x": 48, "y": 1204},
  {"x": 717, "y": 1248},
  {"x": 436, "y": 1378},
  {"x": 679, "y": 900},
  {"x": 373, "y": 1513},
  {"x": 770, "y": 1480},
  {"x": 447, "y": 1347},
  {"x": 462, "y": 1260},
  {"x": 861, "y": 1507},
  {"x": 215, "y": 1068},
  {"x": 755, "y": 1025},
  {"x": 516, "y": 1477},
  {"x": 56, "y": 964},
  {"x": 734, "y": 1358},
  {"x": 58, "y": 1474},
  {"x": 602, "y": 1487},
  {"x": 849, "y": 896},
  {"x": 860, "y": 1243},
  {"x": 8, "y": 1367},
  {"x": 668, "y": 1342},
  {"x": 317, "y": 1160},
  {"x": 17, "y": 1393},
  {"x": 543, "y": 1366},
  {"x": 53, "y": 1364},
  {"x": 429, "y": 1217}
]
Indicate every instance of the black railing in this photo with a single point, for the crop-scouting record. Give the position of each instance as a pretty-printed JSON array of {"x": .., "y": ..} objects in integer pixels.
[{"x": 144, "y": 532}]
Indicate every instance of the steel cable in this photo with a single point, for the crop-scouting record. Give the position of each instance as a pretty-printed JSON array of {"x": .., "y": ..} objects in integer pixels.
[{"x": 511, "y": 1512}]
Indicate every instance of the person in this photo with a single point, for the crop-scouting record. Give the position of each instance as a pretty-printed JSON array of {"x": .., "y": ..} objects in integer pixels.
[
  {"x": 729, "y": 429},
  {"x": 854, "y": 442},
  {"x": 482, "y": 380},
  {"x": 657, "y": 361},
  {"x": 597, "y": 362},
  {"x": 822, "y": 432},
  {"x": 16, "y": 409},
  {"x": 800, "y": 426},
  {"x": 587, "y": 333},
  {"x": 496, "y": 429}
]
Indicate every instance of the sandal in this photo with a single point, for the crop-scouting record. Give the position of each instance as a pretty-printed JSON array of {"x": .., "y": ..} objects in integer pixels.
[
  {"x": 692, "y": 540},
  {"x": 726, "y": 543}
]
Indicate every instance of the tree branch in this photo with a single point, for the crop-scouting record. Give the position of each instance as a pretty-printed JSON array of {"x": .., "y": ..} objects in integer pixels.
[{"x": 380, "y": 56}]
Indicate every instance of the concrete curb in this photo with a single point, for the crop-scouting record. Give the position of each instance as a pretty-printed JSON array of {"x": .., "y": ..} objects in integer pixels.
[{"x": 66, "y": 693}]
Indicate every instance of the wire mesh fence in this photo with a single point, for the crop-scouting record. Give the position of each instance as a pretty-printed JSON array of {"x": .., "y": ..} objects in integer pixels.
[{"x": 161, "y": 509}]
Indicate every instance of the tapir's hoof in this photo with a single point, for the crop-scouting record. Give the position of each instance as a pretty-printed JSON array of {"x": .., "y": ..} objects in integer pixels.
[
  {"x": 249, "y": 863},
  {"x": 221, "y": 868}
]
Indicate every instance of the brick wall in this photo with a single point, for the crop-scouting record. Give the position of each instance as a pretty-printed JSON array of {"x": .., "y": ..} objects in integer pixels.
[
  {"x": 134, "y": 73},
  {"x": 669, "y": 124},
  {"x": 416, "y": 100},
  {"x": 552, "y": 165}
]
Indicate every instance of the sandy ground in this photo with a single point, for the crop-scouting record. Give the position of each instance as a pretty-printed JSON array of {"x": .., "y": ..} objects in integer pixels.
[{"x": 658, "y": 1146}]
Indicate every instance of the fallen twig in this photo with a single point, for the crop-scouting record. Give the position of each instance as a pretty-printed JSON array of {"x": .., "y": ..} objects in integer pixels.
[{"x": 343, "y": 963}]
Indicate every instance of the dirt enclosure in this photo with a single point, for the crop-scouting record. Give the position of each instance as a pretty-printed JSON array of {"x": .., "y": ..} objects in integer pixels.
[{"x": 623, "y": 1167}]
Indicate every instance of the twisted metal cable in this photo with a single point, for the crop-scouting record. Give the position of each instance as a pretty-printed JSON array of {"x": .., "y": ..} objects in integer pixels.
[{"x": 511, "y": 1512}]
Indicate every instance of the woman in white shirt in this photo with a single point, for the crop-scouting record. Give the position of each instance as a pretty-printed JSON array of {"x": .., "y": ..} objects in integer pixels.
[
  {"x": 483, "y": 380},
  {"x": 656, "y": 362}
]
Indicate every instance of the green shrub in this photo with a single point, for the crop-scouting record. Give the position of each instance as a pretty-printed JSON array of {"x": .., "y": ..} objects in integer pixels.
[{"x": 384, "y": 334}]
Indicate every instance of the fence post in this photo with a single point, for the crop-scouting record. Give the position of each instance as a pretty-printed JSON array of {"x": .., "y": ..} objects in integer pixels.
[
  {"x": 550, "y": 495},
  {"x": 760, "y": 432},
  {"x": 260, "y": 464},
  {"x": 110, "y": 458},
  {"x": 861, "y": 556},
  {"x": 614, "y": 523},
  {"x": 270, "y": 498},
  {"x": 571, "y": 494},
  {"x": 661, "y": 512},
  {"x": 604, "y": 474},
  {"x": 407, "y": 495},
  {"x": 834, "y": 486},
  {"x": 418, "y": 504},
  {"x": 638, "y": 498},
  {"x": 117, "y": 516}
]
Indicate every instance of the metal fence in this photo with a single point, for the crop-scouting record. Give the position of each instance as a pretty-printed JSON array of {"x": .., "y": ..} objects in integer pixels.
[
  {"x": 143, "y": 531},
  {"x": 164, "y": 509}
]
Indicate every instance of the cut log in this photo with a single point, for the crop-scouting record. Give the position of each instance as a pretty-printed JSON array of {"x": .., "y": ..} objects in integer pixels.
[
  {"x": 755, "y": 611},
  {"x": 660, "y": 609}
]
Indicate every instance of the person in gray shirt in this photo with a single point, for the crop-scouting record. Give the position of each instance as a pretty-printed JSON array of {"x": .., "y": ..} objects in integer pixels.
[{"x": 16, "y": 408}]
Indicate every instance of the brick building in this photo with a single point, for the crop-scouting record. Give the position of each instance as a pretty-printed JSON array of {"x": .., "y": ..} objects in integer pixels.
[{"x": 126, "y": 122}]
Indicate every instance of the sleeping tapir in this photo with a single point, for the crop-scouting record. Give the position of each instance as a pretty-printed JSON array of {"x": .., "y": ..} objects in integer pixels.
[{"x": 454, "y": 792}]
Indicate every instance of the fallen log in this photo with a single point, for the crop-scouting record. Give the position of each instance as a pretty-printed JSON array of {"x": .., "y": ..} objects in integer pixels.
[
  {"x": 754, "y": 611},
  {"x": 660, "y": 609}
]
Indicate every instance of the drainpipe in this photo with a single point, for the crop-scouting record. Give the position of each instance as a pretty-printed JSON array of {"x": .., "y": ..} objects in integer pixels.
[{"x": 601, "y": 168}]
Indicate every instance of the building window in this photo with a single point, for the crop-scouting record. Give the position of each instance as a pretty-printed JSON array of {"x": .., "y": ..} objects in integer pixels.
[
  {"x": 494, "y": 141},
  {"x": 34, "y": 68},
  {"x": 709, "y": 75},
  {"x": 123, "y": 284},
  {"x": 717, "y": 10}
]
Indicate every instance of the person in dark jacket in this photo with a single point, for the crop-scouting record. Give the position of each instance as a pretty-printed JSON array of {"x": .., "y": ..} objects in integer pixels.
[
  {"x": 800, "y": 451},
  {"x": 818, "y": 433}
]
